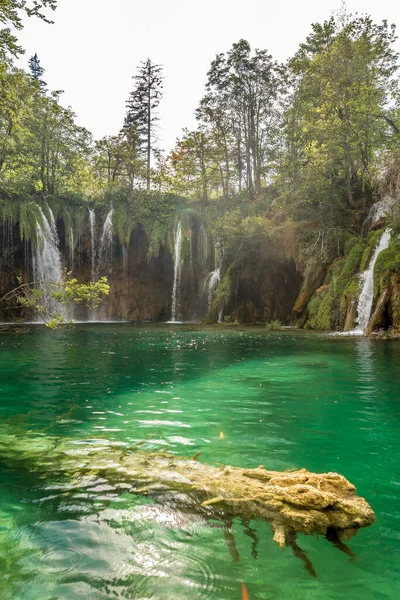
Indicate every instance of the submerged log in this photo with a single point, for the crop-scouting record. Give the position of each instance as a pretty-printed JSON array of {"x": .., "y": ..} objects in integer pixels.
[{"x": 291, "y": 502}]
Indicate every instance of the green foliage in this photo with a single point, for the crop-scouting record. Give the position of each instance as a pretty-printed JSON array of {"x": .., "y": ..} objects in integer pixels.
[
  {"x": 65, "y": 293},
  {"x": 320, "y": 311},
  {"x": 387, "y": 264},
  {"x": 274, "y": 325},
  {"x": 341, "y": 285},
  {"x": 351, "y": 265},
  {"x": 10, "y": 15},
  {"x": 89, "y": 294},
  {"x": 244, "y": 239},
  {"x": 141, "y": 116},
  {"x": 341, "y": 116}
]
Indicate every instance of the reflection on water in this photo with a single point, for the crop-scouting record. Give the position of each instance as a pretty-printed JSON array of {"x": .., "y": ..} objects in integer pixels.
[{"x": 244, "y": 398}]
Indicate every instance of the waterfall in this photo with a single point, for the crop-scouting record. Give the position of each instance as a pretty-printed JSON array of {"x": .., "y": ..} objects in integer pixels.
[
  {"x": 46, "y": 257},
  {"x": 92, "y": 222},
  {"x": 378, "y": 211},
  {"x": 203, "y": 243},
  {"x": 177, "y": 272},
  {"x": 367, "y": 281},
  {"x": 212, "y": 282},
  {"x": 213, "y": 279},
  {"x": 72, "y": 248},
  {"x": 105, "y": 254}
]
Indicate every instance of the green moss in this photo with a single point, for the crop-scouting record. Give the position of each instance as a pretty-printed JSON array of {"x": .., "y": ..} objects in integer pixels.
[
  {"x": 274, "y": 325},
  {"x": 387, "y": 264},
  {"x": 320, "y": 311},
  {"x": 341, "y": 284},
  {"x": 351, "y": 292}
]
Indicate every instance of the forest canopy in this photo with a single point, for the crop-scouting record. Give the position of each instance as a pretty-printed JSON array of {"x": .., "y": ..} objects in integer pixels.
[{"x": 304, "y": 142}]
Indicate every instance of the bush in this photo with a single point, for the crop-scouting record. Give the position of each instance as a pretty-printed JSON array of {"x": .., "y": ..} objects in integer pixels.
[{"x": 274, "y": 325}]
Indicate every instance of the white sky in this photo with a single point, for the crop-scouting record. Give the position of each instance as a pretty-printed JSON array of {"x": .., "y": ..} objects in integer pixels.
[{"x": 95, "y": 45}]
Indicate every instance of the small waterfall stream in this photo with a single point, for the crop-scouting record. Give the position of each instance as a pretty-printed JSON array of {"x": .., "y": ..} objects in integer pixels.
[
  {"x": 105, "y": 254},
  {"x": 92, "y": 222},
  {"x": 46, "y": 257},
  {"x": 213, "y": 279},
  {"x": 367, "y": 281},
  {"x": 177, "y": 273},
  {"x": 47, "y": 267},
  {"x": 378, "y": 211},
  {"x": 72, "y": 248}
]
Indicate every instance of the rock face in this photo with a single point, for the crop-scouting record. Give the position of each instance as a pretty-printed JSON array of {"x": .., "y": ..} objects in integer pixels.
[{"x": 142, "y": 282}]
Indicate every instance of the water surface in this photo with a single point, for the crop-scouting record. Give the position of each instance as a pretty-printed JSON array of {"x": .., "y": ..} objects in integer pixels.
[{"x": 282, "y": 399}]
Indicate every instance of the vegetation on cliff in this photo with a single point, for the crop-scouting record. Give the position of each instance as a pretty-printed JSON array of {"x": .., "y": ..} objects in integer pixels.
[{"x": 281, "y": 171}]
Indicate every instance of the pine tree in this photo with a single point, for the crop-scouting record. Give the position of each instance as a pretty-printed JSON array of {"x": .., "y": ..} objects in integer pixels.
[
  {"x": 141, "y": 117},
  {"x": 36, "y": 70}
]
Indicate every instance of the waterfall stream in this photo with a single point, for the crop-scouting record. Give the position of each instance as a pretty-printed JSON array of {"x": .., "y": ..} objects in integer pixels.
[
  {"x": 92, "y": 222},
  {"x": 47, "y": 267},
  {"x": 72, "y": 248},
  {"x": 213, "y": 279},
  {"x": 378, "y": 211},
  {"x": 367, "y": 290},
  {"x": 177, "y": 273},
  {"x": 105, "y": 254},
  {"x": 47, "y": 258}
]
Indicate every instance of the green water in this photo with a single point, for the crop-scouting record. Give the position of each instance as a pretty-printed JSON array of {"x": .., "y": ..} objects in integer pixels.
[{"x": 240, "y": 397}]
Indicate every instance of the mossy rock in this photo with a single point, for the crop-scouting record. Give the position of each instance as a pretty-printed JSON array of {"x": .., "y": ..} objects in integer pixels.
[
  {"x": 320, "y": 310},
  {"x": 394, "y": 300},
  {"x": 387, "y": 265}
]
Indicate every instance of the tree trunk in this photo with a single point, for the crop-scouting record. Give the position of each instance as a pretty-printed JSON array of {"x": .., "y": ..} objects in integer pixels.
[
  {"x": 297, "y": 501},
  {"x": 148, "y": 136}
]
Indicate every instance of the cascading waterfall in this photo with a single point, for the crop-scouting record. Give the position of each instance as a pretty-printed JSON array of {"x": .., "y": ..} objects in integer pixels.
[
  {"x": 177, "y": 272},
  {"x": 72, "y": 248},
  {"x": 213, "y": 279},
  {"x": 367, "y": 281},
  {"x": 105, "y": 254},
  {"x": 212, "y": 282},
  {"x": 92, "y": 223},
  {"x": 378, "y": 211},
  {"x": 203, "y": 243},
  {"x": 46, "y": 257}
]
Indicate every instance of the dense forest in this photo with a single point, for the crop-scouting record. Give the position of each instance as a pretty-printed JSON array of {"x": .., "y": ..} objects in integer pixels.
[{"x": 261, "y": 213}]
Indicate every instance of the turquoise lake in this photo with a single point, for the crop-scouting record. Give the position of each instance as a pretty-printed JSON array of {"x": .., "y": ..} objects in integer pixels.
[{"x": 241, "y": 397}]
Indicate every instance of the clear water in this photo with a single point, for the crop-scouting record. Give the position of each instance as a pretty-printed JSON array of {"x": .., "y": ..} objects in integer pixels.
[{"x": 241, "y": 397}]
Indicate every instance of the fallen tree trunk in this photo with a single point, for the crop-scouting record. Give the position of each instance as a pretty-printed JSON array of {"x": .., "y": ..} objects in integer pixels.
[{"x": 291, "y": 502}]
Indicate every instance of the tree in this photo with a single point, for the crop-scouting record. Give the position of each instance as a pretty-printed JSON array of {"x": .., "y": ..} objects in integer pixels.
[
  {"x": 341, "y": 118},
  {"x": 57, "y": 145},
  {"x": 36, "y": 70},
  {"x": 117, "y": 164},
  {"x": 241, "y": 105},
  {"x": 34, "y": 297},
  {"x": 141, "y": 117},
  {"x": 342, "y": 102},
  {"x": 16, "y": 107},
  {"x": 10, "y": 16}
]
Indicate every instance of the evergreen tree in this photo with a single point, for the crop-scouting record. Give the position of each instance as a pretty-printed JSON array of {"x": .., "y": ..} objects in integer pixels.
[
  {"x": 36, "y": 70},
  {"x": 141, "y": 117}
]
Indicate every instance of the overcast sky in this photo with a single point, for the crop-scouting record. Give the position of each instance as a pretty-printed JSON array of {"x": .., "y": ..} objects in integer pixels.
[{"x": 94, "y": 47}]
